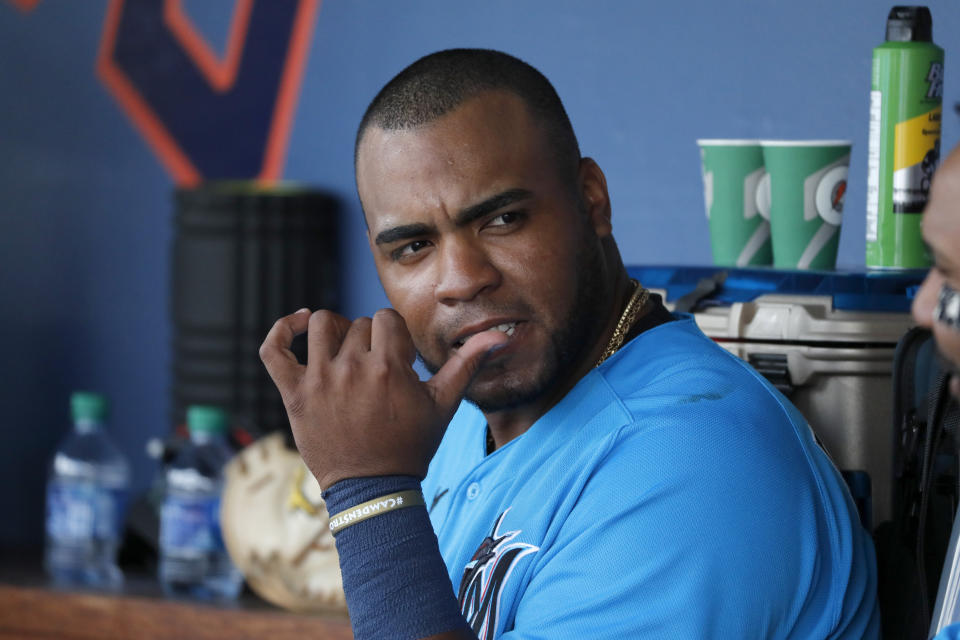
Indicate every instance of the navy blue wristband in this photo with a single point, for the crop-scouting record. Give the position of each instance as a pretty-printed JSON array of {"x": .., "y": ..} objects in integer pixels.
[{"x": 394, "y": 578}]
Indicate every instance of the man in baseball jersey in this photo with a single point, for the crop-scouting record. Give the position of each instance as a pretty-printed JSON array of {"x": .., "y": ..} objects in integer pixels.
[{"x": 594, "y": 466}]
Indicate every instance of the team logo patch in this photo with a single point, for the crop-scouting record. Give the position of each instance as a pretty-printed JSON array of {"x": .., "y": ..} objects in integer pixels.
[{"x": 486, "y": 574}]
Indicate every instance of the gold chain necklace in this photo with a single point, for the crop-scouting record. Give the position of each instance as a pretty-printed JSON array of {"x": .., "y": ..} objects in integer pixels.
[{"x": 637, "y": 300}]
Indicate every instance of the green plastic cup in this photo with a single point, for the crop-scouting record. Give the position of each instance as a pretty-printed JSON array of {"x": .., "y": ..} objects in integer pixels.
[
  {"x": 732, "y": 173},
  {"x": 805, "y": 185}
]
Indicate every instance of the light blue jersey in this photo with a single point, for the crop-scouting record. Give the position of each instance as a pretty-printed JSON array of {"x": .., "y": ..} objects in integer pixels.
[
  {"x": 951, "y": 632},
  {"x": 673, "y": 493}
]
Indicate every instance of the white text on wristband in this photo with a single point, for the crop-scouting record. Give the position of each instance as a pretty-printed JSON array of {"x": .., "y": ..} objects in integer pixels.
[{"x": 375, "y": 507}]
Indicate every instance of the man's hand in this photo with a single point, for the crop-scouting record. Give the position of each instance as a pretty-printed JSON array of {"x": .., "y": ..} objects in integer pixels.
[{"x": 357, "y": 408}]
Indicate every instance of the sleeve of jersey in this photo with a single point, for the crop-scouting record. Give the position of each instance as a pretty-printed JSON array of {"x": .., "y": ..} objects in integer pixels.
[
  {"x": 683, "y": 532},
  {"x": 949, "y": 633}
]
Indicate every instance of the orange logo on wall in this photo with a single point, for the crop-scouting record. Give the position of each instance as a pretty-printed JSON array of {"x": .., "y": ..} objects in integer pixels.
[
  {"x": 24, "y": 5},
  {"x": 209, "y": 117}
]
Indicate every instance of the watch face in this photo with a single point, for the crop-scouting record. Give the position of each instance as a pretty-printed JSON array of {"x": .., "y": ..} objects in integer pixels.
[
  {"x": 276, "y": 528},
  {"x": 947, "y": 311}
]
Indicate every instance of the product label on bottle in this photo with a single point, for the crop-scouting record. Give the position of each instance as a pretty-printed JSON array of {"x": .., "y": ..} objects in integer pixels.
[
  {"x": 916, "y": 153},
  {"x": 935, "y": 80},
  {"x": 873, "y": 166},
  {"x": 191, "y": 525},
  {"x": 81, "y": 512}
]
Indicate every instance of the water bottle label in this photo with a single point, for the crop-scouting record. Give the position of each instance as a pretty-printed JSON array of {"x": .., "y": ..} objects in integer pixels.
[
  {"x": 191, "y": 524},
  {"x": 77, "y": 513}
]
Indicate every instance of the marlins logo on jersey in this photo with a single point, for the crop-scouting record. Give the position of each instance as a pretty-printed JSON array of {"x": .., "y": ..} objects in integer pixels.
[{"x": 485, "y": 576}]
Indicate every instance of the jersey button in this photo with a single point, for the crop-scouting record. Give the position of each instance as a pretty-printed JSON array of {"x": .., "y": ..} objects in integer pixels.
[{"x": 473, "y": 491}]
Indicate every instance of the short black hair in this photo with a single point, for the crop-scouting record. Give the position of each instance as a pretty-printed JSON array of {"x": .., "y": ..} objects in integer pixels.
[{"x": 439, "y": 82}]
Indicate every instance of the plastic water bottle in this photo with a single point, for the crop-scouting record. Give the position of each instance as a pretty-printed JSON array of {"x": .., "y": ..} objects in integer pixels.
[
  {"x": 194, "y": 562},
  {"x": 87, "y": 493}
]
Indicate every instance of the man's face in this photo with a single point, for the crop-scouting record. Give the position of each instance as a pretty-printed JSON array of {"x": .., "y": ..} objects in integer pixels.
[
  {"x": 472, "y": 227},
  {"x": 941, "y": 230}
]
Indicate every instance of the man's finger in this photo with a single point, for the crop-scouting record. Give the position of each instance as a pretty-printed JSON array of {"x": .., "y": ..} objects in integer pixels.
[
  {"x": 390, "y": 335},
  {"x": 275, "y": 351},
  {"x": 357, "y": 339},
  {"x": 327, "y": 330},
  {"x": 451, "y": 381}
]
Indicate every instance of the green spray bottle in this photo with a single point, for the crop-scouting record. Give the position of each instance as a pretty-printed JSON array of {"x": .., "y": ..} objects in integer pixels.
[{"x": 906, "y": 101}]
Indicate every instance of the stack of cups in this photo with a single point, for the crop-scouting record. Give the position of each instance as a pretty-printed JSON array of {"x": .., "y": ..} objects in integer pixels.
[{"x": 776, "y": 202}]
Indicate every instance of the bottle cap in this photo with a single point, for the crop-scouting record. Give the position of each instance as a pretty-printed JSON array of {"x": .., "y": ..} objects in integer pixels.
[
  {"x": 206, "y": 419},
  {"x": 909, "y": 24},
  {"x": 86, "y": 405}
]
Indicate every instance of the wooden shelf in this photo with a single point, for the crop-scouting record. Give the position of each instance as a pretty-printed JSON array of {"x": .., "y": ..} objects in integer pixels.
[{"x": 30, "y": 608}]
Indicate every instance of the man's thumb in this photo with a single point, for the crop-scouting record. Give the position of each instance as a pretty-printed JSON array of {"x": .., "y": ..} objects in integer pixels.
[{"x": 450, "y": 383}]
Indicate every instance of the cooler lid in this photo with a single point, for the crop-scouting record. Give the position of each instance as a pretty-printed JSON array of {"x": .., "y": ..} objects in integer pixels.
[
  {"x": 849, "y": 290},
  {"x": 864, "y": 309}
]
